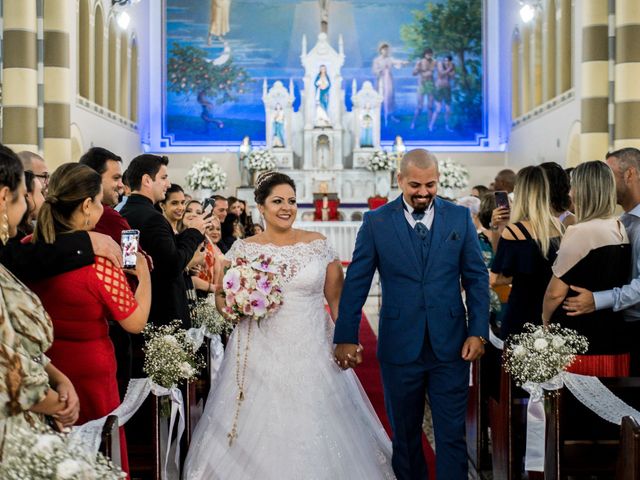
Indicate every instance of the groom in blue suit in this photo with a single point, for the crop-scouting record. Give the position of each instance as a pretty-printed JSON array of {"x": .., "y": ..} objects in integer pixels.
[{"x": 426, "y": 251}]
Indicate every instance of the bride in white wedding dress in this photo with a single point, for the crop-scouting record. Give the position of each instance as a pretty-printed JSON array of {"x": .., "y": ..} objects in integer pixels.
[{"x": 301, "y": 417}]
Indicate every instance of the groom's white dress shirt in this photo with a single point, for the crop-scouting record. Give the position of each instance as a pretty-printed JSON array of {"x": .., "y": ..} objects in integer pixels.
[{"x": 427, "y": 220}]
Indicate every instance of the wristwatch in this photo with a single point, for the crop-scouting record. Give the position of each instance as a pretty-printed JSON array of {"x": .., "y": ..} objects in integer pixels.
[{"x": 483, "y": 340}]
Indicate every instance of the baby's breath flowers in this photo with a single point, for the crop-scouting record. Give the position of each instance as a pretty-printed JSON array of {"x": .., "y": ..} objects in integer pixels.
[
  {"x": 204, "y": 314},
  {"x": 540, "y": 353},
  {"x": 46, "y": 455},
  {"x": 170, "y": 357}
]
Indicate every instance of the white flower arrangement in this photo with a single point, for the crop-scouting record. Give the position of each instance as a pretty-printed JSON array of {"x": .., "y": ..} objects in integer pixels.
[
  {"x": 206, "y": 174},
  {"x": 381, "y": 161},
  {"x": 44, "y": 455},
  {"x": 540, "y": 353},
  {"x": 453, "y": 175},
  {"x": 170, "y": 357},
  {"x": 206, "y": 315},
  {"x": 262, "y": 159}
]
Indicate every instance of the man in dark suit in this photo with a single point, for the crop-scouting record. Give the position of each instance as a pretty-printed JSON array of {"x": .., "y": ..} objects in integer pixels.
[
  {"x": 149, "y": 181},
  {"x": 423, "y": 248}
]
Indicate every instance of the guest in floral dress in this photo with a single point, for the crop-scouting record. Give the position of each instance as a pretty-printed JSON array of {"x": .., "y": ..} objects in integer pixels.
[{"x": 30, "y": 386}]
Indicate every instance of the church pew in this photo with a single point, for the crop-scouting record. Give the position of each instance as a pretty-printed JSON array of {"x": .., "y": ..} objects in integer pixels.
[
  {"x": 628, "y": 467},
  {"x": 473, "y": 419},
  {"x": 110, "y": 440},
  {"x": 507, "y": 415},
  {"x": 578, "y": 442}
]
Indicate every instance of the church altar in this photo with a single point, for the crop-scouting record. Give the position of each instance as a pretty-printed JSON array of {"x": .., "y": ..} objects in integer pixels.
[{"x": 322, "y": 146}]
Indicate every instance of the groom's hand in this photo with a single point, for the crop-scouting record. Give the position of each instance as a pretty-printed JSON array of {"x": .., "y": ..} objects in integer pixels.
[
  {"x": 348, "y": 355},
  {"x": 472, "y": 349}
]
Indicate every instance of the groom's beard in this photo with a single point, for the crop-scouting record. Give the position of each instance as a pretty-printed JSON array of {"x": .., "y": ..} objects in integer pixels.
[{"x": 420, "y": 207}]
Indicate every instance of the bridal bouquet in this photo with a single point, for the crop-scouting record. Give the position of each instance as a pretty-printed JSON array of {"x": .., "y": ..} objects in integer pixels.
[
  {"x": 380, "y": 161},
  {"x": 205, "y": 314},
  {"x": 540, "y": 353},
  {"x": 45, "y": 455},
  {"x": 170, "y": 357},
  {"x": 262, "y": 160},
  {"x": 206, "y": 174},
  {"x": 252, "y": 288}
]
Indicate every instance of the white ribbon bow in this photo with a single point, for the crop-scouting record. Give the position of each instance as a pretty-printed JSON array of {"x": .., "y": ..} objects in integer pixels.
[
  {"x": 177, "y": 407},
  {"x": 534, "y": 456}
]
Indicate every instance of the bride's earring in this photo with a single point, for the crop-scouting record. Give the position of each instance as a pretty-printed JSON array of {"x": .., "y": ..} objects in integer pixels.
[{"x": 4, "y": 228}]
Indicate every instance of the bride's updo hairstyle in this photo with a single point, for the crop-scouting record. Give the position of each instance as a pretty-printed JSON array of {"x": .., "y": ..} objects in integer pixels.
[{"x": 266, "y": 183}]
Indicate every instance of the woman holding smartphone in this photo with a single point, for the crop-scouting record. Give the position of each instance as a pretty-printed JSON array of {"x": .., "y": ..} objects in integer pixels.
[
  {"x": 526, "y": 250},
  {"x": 81, "y": 301}
]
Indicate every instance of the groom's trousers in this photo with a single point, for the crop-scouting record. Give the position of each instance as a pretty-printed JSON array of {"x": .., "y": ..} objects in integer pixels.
[{"x": 405, "y": 387}]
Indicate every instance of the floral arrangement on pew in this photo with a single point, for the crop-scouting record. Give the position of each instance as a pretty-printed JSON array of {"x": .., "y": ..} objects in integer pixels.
[
  {"x": 206, "y": 174},
  {"x": 44, "y": 455},
  {"x": 380, "y": 161},
  {"x": 261, "y": 159},
  {"x": 541, "y": 353},
  {"x": 205, "y": 315},
  {"x": 170, "y": 356},
  {"x": 252, "y": 289}
]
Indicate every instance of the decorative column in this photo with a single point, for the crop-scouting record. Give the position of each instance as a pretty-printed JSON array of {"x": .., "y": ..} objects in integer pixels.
[
  {"x": 564, "y": 61},
  {"x": 58, "y": 15},
  {"x": 594, "y": 140},
  {"x": 20, "y": 75},
  {"x": 627, "y": 73}
]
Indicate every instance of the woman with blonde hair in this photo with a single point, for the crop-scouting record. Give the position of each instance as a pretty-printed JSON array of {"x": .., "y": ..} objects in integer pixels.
[
  {"x": 594, "y": 254},
  {"x": 527, "y": 250}
]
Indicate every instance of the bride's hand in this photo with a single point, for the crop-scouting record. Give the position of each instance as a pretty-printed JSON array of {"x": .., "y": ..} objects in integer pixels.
[{"x": 348, "y": 355}]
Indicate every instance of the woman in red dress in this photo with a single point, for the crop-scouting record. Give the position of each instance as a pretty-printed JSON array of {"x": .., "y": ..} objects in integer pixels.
[{"x": 81, "y": 301}]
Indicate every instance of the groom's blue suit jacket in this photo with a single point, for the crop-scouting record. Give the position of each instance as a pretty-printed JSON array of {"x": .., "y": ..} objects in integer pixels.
[{"x": 417, "y": 295}]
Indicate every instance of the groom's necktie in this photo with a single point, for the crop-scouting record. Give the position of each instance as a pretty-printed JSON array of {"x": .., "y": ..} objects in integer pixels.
[{"x": 420, "y": 228}]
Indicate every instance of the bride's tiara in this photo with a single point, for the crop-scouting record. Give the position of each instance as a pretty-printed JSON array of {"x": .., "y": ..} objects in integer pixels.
[{"x": 263, "y": 177}]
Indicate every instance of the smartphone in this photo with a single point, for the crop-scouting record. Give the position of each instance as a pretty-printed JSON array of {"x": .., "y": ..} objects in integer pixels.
[
  {"x": 502, "y": 199},
  {"x": 129, "y": 243}
]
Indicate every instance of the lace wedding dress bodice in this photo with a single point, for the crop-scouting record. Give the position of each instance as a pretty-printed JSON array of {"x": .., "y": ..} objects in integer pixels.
[{"x": 301, "y": 417}]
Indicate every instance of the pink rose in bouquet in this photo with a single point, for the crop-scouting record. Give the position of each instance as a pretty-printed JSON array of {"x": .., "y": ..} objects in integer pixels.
[{"x": 252, "y": 288}]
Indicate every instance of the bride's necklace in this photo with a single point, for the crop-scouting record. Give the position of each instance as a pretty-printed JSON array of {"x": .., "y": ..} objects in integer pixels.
[{"x": 241, "y": 372}]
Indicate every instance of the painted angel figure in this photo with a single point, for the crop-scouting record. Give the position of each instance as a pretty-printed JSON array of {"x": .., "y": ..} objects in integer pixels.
[{"x": 219, "y": 19}]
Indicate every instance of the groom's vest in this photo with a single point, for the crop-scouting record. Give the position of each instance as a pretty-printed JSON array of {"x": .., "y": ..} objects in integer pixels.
[{"x": 420, "y": 246}]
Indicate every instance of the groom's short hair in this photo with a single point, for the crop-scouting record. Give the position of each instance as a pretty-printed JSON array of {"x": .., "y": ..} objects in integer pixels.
[{"x": 418, "y": 157}]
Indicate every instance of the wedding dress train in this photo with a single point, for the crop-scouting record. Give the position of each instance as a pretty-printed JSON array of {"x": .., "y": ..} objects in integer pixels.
[{"x": 302, "y": 417}]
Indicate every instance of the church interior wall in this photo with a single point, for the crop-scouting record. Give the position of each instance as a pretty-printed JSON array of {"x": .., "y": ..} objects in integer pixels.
[{"x": 116, "y": 131}]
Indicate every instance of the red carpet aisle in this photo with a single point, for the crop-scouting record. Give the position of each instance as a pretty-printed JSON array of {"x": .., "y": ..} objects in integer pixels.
[{"x": 369, "y": 375}]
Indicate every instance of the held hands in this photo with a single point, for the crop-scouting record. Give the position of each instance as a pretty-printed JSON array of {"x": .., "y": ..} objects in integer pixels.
[
  {"x": 472, "y": 349},
  {"x": 348, "y": 355},
  {"x": 68, "y": 416},
  {"x": 580, "y": 304}
]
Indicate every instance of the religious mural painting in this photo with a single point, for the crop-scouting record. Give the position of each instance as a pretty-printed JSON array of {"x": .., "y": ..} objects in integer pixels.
[{"x": 424, "y": 58}]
